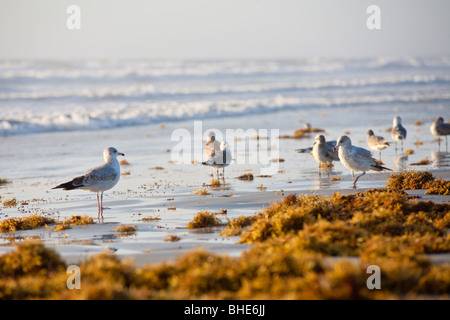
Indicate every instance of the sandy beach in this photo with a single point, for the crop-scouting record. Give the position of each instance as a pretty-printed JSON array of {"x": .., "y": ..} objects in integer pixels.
[{"x": 153, "y": 185}]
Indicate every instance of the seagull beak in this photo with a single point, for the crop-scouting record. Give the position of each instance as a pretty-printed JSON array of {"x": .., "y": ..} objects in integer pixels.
[
  {"x": 336, "y": 148},
  {"x": 121, "y": 154}
]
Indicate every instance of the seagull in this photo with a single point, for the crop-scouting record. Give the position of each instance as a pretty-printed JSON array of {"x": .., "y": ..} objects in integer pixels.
[
  {"x": 440, "y": 128},
  {"x": 211, "y": 147},
  {"x": 356, "y": 158},
  {"x": 322, "y": 151},
  {"x": 220, "y": 159},
  {"x": 376, "y": 142},
  {"x": 331, "y": 144},
  {"x": 98, "y": 179},
  {"x": 398, "y": 132}
]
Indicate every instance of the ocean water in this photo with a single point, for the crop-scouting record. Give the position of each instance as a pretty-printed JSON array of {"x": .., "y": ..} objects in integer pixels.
[{"x": 55, "y": 96}]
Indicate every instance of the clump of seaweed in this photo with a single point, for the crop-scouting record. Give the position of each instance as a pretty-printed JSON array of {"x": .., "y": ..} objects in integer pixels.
[
  {"x": 204, "y": 219},
  {"x": 73, "y": 221},
  {"x": 302, "y": 133},
  {"x": 246, "y": 177},
  {"x": 10, "y": 202},
  {"x": 30, "y": 258},
  {"x": 439, "y": 186},
  {"x": 4, "y": 181},
  {"x": 409, "y": 180},
  {"x": 201, "y": 192},
  {"x": 235, "y": 226},
  {"x": 172, "y": 238},
  {"x": 25, "y": 223},
  {"x": 422, "y": 162},
  {"x": 151, "y": 218},
  {"x": 215, "y": 182},
  {"x": 377, "y": 211},
  {"x": 126, "y": 229}
]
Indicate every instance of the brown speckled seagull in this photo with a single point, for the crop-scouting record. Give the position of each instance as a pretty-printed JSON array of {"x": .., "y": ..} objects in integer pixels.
[{"x": 98, "y": 179}]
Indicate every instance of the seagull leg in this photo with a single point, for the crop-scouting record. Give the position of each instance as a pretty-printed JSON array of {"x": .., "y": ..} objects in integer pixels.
[
  {"x": 223, "y": 173},
  {"x": 99, "y": 213},
  {"x": 354, "y": 184},
  {"x": 98, "y": 203},
  {"x": 320, "y": 172},
  {"x": 101, "y": 207},
  {"x": 212, "y": 172}
]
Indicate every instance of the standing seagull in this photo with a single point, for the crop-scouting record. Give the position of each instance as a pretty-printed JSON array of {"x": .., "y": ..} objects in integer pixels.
[
  {"x": 211, "y": 147},
  {"x": 331, "y": 144},
  {"x": 220, "y": 159},
  {"x": 356, "y": 159},
  {"x": 99, "y": 179},
  {"x": 440, "y": 128},
  {"x": 398, "y": 132},
  {"x": 323, "y": 152},
  {"x": 376, "y": 142}
]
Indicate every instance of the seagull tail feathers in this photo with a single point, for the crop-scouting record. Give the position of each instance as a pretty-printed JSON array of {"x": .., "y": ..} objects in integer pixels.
[
  {"x": 380, "y": 168},
  {"x": 72, "y": 184}
]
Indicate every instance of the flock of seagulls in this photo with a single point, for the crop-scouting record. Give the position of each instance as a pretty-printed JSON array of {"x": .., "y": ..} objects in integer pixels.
[
  {"x": 357, "y": 159},
  {"x": 218, "y": 155}
]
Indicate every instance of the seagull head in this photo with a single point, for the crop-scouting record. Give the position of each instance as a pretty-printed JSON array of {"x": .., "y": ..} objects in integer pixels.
[
  {"x": 343, "y": 141},
  {"x": 320, "y": 139},
  {"x": 211, "y": 136},
  {"x": 370, "y": 133},
  {"x": 111, "y": 153},
  {"x": 397, "y": 120},
  {"x": 439, "y": 120}
]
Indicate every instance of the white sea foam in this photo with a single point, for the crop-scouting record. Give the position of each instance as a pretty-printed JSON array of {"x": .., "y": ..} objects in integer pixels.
[
  {"x": 110, "y": 115},
  {"x": 45, "y": 96}
]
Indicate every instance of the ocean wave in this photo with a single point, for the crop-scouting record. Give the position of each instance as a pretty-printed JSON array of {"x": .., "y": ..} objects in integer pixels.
[
  {"x": 148, "y": 69},
  {"x": 146, "y": 90},
  {"x": 113, "y": 115}
]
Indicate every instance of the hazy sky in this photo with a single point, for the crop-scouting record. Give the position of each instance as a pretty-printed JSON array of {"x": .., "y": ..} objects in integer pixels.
[{"x": 222, "y": 29}]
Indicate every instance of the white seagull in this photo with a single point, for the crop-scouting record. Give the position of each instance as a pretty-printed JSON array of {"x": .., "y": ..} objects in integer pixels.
[
  {"x": 376, "y": 142},
  {"x": 440, "y": 128},
  {"x": 322, "y": 152},
  {"x": 220, "y": 159},
  {"x": 98, "y": 179},
  {"x": 356, "y": 158},
  {"x": 398, "y": 132},
  {"x": 211, "y": 147}
]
